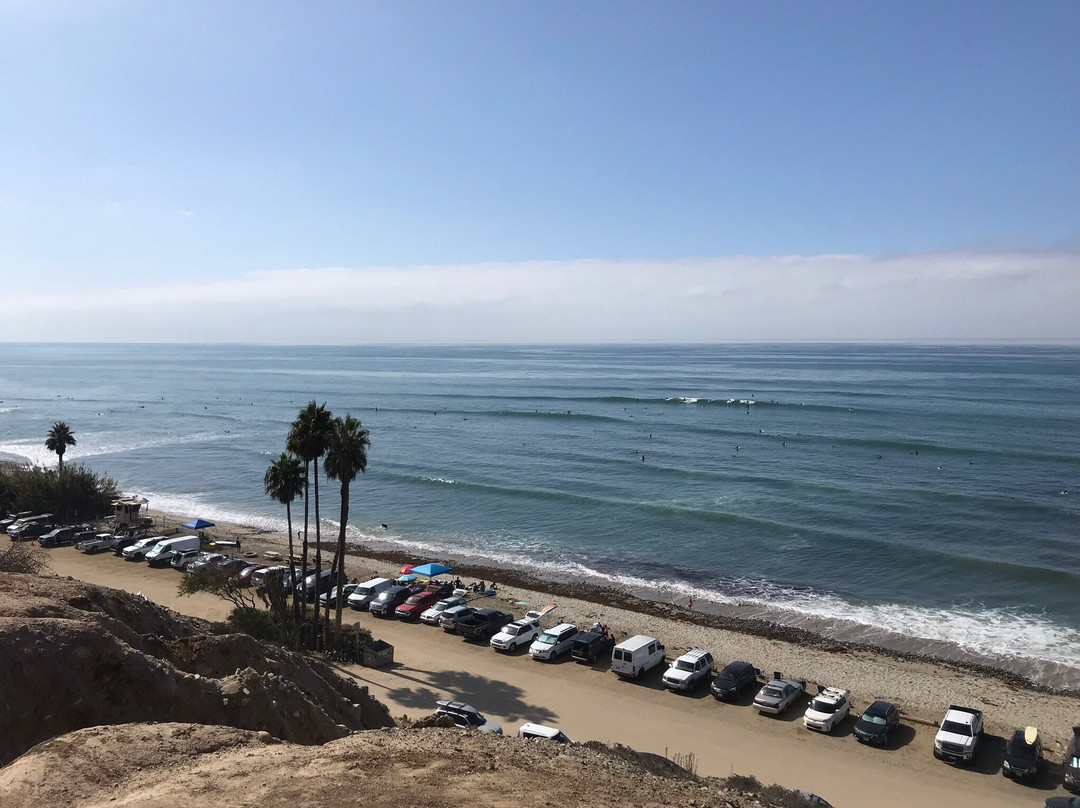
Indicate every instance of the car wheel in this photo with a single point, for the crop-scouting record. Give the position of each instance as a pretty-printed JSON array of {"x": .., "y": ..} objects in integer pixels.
[{"x": 513, "y": 647}]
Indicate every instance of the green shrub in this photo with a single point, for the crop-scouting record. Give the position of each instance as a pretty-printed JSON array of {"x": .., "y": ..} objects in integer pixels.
[
  {"x": 256, "y": 622},
  {"x": 76, "y": 495}
]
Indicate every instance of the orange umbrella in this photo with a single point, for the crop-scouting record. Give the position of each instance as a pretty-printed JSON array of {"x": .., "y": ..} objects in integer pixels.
[{"x": 405, "y": 570}]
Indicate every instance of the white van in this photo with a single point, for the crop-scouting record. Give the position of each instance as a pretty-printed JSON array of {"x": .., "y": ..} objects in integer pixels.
[
  {"x": 540, "y": 731},
  {"x": 367, "y": 591},
  {"x": 165, "y": 551},
  {"x": 632, "y": 657}
]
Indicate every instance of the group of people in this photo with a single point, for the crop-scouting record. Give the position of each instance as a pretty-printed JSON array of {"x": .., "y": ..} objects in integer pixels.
[{"x": 478, "y": 587}]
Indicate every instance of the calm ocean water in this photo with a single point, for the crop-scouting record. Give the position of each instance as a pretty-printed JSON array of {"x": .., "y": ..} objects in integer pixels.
[{"x": 926, "y": 498}]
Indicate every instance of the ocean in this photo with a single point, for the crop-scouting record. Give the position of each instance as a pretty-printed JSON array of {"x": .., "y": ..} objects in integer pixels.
[{"x": 923, "y": 498}]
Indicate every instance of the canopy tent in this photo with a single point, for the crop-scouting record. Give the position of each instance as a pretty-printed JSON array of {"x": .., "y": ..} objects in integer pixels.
[
  {"x": 197, "y": 524},
  {"x": 430, "y": 570}
]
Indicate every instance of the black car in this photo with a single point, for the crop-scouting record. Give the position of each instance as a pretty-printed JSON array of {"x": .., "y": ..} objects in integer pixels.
[
  {"x": 385, "y": 605},
  {"x": 59, "y": 537},
  {"x": 876, "y": 725},
  {"x": 733, "y": 680},
  {"x": 1023, "y": 755},
  {"x": 1062, "y": 802},
  {"x": 591, "y": 646},
  {"x": 317, "y": 584},
  {"x": 1072, "y": 762}
]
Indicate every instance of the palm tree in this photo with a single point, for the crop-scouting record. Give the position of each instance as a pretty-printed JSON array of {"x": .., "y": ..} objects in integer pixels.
[
  {"x": 60, "y": 437},
  {"x": 307, "y": 440},
  {"x": 284, "y": 482},
  {"x": 346, "y": 456}
]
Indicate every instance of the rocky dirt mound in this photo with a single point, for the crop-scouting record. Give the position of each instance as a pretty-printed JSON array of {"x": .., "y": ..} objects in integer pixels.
[
  {"x": 205, "y": 767},
  {"x": 73, "y": 655}
]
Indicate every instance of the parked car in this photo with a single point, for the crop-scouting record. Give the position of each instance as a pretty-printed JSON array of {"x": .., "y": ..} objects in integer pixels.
[
  {"x": 828, "y": 708},
  {"x": 315, "y": 584},
  {"x": 1062, "y": 802},
  {"x": 733, "y": 680},
  {"x": 207, "y": 561},
  {"x": 184, "y": 558},
  {"x": 591, "y": 646},
  {"x": 431, "y": 616},
  {"x": 258, "y": 578},
  {"x": 162, "y": 553},
  {"x": 877, "y": 724},
  {"x": 417, "y": 604},
  {"x": 388, "y": 600},
  {"x": 813, "y": 800},
  {"x": 331, "y": 598},
  {"x": 364, "y": 594},
  {"x": 11, "y": 519},
  {"x": 97, "y": 543},
  {"x": 15, "y": 529},
  {"x": 689, "y": 670},
  {"x": 631, "y": 658},
  {"x": 242, "y": 578},
  {"x": 958, "y": 735},
  {"x": 1072, "y": 762},
  {"x": 451, "y": 616},
  {"x": 466, "y": 717},
  {"x": 483, "y": 624},
  {"x": 779, "y": 694},
  {"x": 138, "y": 550},
  {"x": 540, "y": 731},
  {"x": 1023, "y": 755},
  {"x": 60, "y": 536},
  {"x": 124, "y": 542},
  {"x": 554, "y": 642},
  {"x": 514, "y": 635},
  {"x": 28, "y": 531}
]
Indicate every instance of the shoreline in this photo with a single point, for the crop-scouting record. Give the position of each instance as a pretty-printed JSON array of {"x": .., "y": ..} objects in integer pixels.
[{"x": 922, "y": 687}]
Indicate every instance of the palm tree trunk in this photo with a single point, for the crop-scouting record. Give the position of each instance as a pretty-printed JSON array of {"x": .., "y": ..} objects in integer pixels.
[
  {"x": 341, "y": 546},
  {"x": 318, "y": 546},
  {"x": 301, "y": 607},
  {"x": 292, "y": 571}
]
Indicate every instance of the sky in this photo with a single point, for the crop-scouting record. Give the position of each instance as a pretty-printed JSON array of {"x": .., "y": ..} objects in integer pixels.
[{"x": 315, "y": 172}]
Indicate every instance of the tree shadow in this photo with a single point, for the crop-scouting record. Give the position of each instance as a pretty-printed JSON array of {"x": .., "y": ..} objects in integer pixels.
[{"x": 486, "y": 695}]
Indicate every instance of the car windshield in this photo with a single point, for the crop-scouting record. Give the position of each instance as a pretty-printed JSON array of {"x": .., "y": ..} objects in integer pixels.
[
  {"x": 820, "y": 706},
  {"x": 512, "y": 630},
  {"x": 772, "y": 693},
  {"x": 385, "y": 596},
  {"x": 412, "y": 601},
  {"x": 873, "y": 719},
  {"x": 956, "y": 729},
  {"x": 546, "y": 639},
  {"x": 1074, "y": 762},
  {"x": 1018, "y": 749},
  {"x": 440, "y": 606},
  {"x": 684, "y": 665}
]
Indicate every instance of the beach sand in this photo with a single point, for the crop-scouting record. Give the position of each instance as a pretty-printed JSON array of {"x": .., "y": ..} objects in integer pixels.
[{"x": 591, "y": 703}]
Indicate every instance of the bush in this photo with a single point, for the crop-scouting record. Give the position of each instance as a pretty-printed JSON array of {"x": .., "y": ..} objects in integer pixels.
[
  {"x": 76, "y": 495},
  {"x": 256, "y": 622},
  {"x": 17, "y": 558}
]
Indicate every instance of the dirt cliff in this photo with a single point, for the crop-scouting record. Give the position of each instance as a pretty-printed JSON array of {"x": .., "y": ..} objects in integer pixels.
[{"x": 74, "y": 655}]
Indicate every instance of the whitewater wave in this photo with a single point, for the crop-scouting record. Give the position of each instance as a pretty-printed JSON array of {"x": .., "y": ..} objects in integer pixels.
[
  {"x": 993, "y": 635},
  {"x": 103, "y": 443}
]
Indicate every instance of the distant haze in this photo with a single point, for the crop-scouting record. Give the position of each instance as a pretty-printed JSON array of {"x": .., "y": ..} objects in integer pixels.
[{"x": 957, "y": 296}]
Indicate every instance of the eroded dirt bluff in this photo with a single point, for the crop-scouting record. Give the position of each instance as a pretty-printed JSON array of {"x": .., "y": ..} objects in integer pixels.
[
  {"x": 74, "y": 655},
  {"x": 193, "y": 766}
]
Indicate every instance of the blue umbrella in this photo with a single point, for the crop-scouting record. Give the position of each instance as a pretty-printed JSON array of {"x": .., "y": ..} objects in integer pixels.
[
  {"x": 406, "y": 578},
  {"x": 197, "y": 524},
  {"x": 431, "y": 570}
]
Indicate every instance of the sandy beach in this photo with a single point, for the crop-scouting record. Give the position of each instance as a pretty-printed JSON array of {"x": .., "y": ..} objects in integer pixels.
[{"x": 592, "y": 704}]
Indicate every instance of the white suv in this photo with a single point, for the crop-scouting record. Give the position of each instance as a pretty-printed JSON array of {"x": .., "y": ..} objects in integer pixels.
[
  {"x": 514, "y": 635},
  {"x": 554, "y": 641},
  {"x": 431, "y": 616},
  {"x": 467, "y": 717},
  {"x": 828, "y": 709},
  {"x": 689, "y": 670}
]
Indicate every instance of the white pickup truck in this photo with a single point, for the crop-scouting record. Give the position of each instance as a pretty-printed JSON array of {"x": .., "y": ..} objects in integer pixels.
[
  {"x": 100, "y": 542},
  {"x": 958, "y": 734}
]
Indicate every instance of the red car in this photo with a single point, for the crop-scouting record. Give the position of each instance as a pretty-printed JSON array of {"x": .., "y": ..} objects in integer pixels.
[
  {"x": 417, "y": 604},
  {"x": 243, "y": 577}
]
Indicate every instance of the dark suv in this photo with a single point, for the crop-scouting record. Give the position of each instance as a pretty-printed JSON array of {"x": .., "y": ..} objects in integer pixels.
[
  {"x": 592, "y": 646},
  {"x": 385, "y": 605},
  {"x": 59, "y": 537},
  {"x": 733, "y": 680}
]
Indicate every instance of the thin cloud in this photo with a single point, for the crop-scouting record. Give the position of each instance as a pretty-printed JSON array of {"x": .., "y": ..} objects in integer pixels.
[{"x": 941, "y": 296}]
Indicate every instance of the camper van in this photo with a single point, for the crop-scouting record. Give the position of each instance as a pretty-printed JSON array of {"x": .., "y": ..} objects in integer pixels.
[
  {"x": 164, "y": 551},
  {"x": 364, "y": 594},
  {"x": 632, "y": 657}
]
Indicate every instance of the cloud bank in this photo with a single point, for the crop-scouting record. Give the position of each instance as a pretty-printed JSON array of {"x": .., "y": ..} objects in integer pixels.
[{"x": 957, "y": 296}]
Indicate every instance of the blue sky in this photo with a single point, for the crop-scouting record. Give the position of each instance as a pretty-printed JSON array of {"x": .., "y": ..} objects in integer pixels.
[{"x": 171, "y": 146}]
